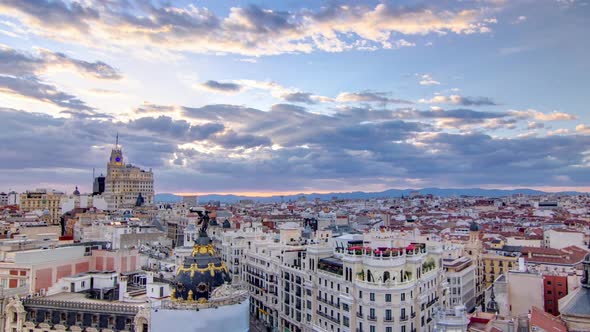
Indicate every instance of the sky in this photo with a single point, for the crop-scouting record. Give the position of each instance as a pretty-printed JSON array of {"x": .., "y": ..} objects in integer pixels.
[{"x": 264, "y": 97}]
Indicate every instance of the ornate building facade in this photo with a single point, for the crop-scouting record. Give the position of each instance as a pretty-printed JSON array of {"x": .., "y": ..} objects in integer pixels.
[{"x": 127, "y": 186}]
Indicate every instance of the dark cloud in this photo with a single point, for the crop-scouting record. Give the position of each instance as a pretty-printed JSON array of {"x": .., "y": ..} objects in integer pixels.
[
  {"x": 221, "y": 87},
  {"x": 31, "y": 87},
  {"x": 477, "y": 101},
  {"x": 261, "y": 21},
  {"x": 250, "y": 30},
  {"x": 56, "y": 13},
  {"x": 299, "y": 97},
  {"x": 19, "y": 70},
  {"x": 289, "y": 148},
  {"x": 177, "y": 129},
  {"x": 370, "y": 97},
  {"x": 18, "y": 63},
  {"x": 232, "y": 140}
]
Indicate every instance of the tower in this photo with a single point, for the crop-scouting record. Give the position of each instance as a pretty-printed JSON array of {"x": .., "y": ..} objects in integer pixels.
[{"x": 127, "y": 186}]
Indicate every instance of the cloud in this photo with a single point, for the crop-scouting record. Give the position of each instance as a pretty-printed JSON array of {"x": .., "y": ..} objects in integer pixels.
[
  {"x": 300, "y": 97},
  {"x": 250, "y": 30},
  {"x": 426, "y": 79},
  {"x": 32, "y": 88},
  {"x": 98, "y": 69},
  {"x": 520, "y": 19},
  {"x": 232, "y": 140},
  {"x": 560, "y": 131},
  {"x": 216, "y": 86},
  {"x": 19, "y": 76},
  {"x": 18, "y": 63},
  {"x": 535, "y": 125},
  {"x": 368, "y": 97},
  {"x": 56, "y": 14},
  {"x": 539, "y": 116},
  {"x": 583, "y": 129},
  {"x": 237, "y": 148},
  {"x": 178, "y": 129},
  {"x": 459, "y": 100}
]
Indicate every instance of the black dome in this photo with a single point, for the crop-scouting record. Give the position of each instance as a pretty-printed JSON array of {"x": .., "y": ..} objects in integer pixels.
[{"x": 473, "y": 227}]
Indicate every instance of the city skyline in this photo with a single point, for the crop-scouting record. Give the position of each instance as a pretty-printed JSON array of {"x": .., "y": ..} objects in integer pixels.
[{"x": 270, "y": 98}]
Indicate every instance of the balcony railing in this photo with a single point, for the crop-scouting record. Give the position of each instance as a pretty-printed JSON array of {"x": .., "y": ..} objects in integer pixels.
[
  {"x": 335, "y": 320},
  {"x": 334, "y": 304}
]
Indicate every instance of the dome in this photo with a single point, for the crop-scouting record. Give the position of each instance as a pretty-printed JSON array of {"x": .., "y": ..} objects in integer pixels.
[
  {"x": 201, "y": 273},
  {"x": 226, "y": 224},
  {"x": 213, "y": 222},
  {"x": 76, "y": 192},
  {"x": 473, "y": 227}
]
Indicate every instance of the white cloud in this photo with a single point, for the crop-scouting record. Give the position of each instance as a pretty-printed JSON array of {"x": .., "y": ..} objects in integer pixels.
[
  {"x": 426, "y": 79},
  {"x": 583, "y": 129}
]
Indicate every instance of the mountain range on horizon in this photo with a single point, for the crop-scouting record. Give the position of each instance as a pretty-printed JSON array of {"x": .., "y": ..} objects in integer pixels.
[{"x": 441, "y": 192}]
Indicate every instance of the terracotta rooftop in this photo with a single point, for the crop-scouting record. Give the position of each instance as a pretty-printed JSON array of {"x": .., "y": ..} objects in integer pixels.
[{"x": 546, "y": 321}]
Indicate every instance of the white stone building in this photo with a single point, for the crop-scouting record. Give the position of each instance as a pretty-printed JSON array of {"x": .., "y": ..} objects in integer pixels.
[{"x": 304, "y": 284}]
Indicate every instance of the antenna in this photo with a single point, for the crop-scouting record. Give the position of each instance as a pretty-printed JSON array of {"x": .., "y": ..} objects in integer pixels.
[{"x": 117, "y": 141}]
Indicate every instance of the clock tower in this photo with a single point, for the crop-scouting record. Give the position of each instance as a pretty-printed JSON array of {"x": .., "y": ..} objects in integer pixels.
[
  {"x": 125, "y": 184},
  {"x": 116, "y": 155}
]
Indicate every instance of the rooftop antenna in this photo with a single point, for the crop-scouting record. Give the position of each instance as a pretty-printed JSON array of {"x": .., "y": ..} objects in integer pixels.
[{"x": 117, "y": 141}]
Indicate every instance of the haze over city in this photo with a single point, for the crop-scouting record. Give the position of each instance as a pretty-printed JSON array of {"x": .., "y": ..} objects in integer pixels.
[{"x": 269, "y": 97}]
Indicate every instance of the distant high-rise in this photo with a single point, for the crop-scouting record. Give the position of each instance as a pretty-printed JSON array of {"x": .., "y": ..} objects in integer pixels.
[
  {"x": 125, "y": 182},
  {"x": 99, "y": 185}
]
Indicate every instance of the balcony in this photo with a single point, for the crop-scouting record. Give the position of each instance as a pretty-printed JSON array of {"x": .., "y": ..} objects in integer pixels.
[
  {"x": 359, "y": 314},
  {"x": 334, "y": 304},
  {"x": 403, "y": 318},
  {"x": 386, "y": 285},
  {"x": 373, "y": 318},
  {"x": 335, "y": 320},
  {"x": 388, "y": 319}
]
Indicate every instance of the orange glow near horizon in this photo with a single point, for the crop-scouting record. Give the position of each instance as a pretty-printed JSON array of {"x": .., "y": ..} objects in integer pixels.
[
  {"x": 259, "y": 194},
  {"x": 288, "y": 193}
]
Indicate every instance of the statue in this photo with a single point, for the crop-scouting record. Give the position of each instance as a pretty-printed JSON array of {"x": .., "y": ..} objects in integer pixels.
[
  {"x": 139, "y": 201},
  {"x": 203, "y": 221}
]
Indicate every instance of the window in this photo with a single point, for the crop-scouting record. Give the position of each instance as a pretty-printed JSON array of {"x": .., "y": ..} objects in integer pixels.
[
  {"x": 387, "y": 297},
  {"x": 389, "y": 329},
  {"x": 387, "y": 314},
  {"x": 345, "y": 307},
  {"x": 403, "y": 296},
  {"x": 372, "y": 296},
  {"x": 372, "y": 328},
  {"x": 360, "y": 294},
  {"x": 346, "y": 321},
  {"x": 372, "y": 313}
]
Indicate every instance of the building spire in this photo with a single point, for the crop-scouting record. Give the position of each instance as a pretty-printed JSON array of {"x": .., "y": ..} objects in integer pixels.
[{"x": 117, "y": 141}]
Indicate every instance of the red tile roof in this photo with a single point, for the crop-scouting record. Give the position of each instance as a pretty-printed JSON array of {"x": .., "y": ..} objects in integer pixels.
[{"x": 547, "y": 322}]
